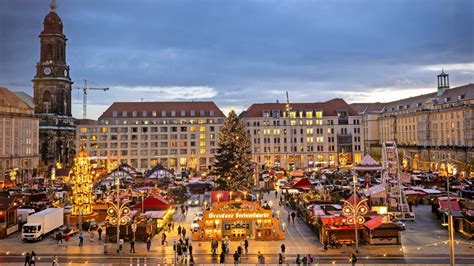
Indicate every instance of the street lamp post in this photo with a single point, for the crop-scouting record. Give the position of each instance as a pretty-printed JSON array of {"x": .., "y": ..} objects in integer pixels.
[
  {"x": 354, "y": 212},
  {"x": 117, "y": 214},
  {"x": 452, "y": 260}
]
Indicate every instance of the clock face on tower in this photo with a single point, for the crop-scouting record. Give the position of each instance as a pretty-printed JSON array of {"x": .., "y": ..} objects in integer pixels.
[
  {"x": 65, "y": 72},
  {"x": 47, "y": 70}
]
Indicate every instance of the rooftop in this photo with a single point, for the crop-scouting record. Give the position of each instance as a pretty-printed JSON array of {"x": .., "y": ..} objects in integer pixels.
[
  {"x": 329, "y": 108},
  {"x": 161, "y": 109}
]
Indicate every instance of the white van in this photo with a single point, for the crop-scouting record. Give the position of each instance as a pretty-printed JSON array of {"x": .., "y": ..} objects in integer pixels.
[{"x": 280, "y": 183}]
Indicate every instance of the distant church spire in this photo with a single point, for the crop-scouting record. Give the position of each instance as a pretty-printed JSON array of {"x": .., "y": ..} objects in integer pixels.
[
  {"x": 53, "y": 5},
  {"x": 443, "y": 82}
]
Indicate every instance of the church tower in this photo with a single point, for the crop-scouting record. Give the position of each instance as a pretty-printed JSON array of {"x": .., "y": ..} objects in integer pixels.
[{"x": 52, "y": 94}]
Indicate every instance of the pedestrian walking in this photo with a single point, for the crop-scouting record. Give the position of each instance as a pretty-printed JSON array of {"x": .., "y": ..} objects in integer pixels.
[
  {"x": 239, "y": 251},
  {"x": 179, "y": 250},
  {"x": 246, "y": 245},
  {"x": 283, "y": 248},
  {"x": 27, "y": 259},
  {"x": 169, "y": 227},
  {"x": 310, "y": 259},
  {"x": 183, "y": 232},
  {"x": 190, "y": 248},
  {"x": 236, "y": 258},
  {"x": 81, "y": 240},
  {"x": 293, "y": 216},
  {"x": 99, "y": 232},
  {"x": 276, "y": 194},
  {"x": 261, "y": 258},
  {"x": 55, "y": 260},
  {"x": 184, "y": 251},
  {"x": 132, "y": 246},
  {"x": 148, "y": 244},
  {"x": 66, "y": 239},
  {"x": 353, "y": 259},
  {"x": 298, "y": 260},
  {"x": 289, "y": 218},
  {"x": 304, "y": 260},
  {"x": 222, "y": 258},
  {"x": 163, "y": 239},
  {"x": 280, "y": 259},
  {"x": 33, "y": 258},
  {"x": 179, "y": 230},
  {"x": 326, "y": 244}
]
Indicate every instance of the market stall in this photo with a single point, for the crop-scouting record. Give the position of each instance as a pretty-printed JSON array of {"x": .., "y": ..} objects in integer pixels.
[{"x": 239, "y": 219}]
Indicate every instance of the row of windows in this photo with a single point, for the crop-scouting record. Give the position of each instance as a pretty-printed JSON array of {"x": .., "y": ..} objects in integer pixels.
[
  {"x": 164, "y": 113},
  {"x": 144, "y": 145},
  {"x": 161, "y": 121},
  {"x": 309, "y": 131},
  {"x": 162, "y": 152},
  {"x": 145, "y": 129}
]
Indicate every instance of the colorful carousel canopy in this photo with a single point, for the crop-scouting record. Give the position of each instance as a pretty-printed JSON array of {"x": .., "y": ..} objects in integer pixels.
[{"x": 367, "y": 164}]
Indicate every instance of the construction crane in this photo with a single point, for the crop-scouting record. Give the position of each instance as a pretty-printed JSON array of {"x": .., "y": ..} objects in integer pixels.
[{"x": 84, "y": 97}]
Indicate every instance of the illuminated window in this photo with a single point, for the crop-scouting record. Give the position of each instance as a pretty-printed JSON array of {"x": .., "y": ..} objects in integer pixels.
[
  {"x": 309, "y": 122},
  {"x": 266, "y": 131},
  {"x": 331, "y": 130},
  {"x": 319, "y": 114},
  {"x": 202, "y": 136},
  {"x": 202, "y": 143},
  {"x": 309, "y": 114},
  {"x": 309, "y": 139},
  {"x": 202, "y": 128},
  {"x": 309, "y": 131},
  {"x": 276, "y": 131},
  {"x": 83, "y": 130},
  {"x": 319, "y": 139},
  {"x": 202, "y": 151},
  {"x": 192, "y": 129},
  {"x": 293, "y": 122},
  {"x": 293, "y": 114},
  {"x": 319, "y": 122},
  {"x": 93, "y": 137}
]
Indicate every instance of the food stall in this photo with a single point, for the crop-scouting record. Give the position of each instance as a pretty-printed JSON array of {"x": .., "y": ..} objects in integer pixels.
[{"x": 239, "y": 219}]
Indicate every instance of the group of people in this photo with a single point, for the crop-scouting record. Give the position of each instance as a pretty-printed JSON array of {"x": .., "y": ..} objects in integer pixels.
[
  {"x": 30, "y": 258},
  {"x": 181, "y": 249},
  {"x": 305, "y": 260}
]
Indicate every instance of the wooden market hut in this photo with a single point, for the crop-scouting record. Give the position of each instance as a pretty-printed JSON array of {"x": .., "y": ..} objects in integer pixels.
[
  {"x": 8, "y": 217},
  {"x": 380, "y": 232}
]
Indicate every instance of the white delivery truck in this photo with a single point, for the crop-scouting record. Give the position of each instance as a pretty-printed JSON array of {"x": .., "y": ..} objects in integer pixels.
[{"x": 41, "y": 223}]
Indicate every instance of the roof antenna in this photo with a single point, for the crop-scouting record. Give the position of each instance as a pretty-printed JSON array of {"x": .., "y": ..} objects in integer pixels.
[{"x": 142, "y": 99}]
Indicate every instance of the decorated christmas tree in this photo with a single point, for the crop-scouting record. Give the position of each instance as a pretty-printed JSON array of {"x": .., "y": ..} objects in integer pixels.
[{"x": 232, "y": 162}]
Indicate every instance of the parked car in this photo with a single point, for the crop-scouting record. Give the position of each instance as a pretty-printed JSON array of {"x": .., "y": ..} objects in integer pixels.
[
  {"x": 195, "y": 225},
  {"x": 195, "y": 200}
]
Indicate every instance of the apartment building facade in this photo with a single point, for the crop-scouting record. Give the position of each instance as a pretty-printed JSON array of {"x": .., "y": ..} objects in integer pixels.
[
  {"x": 143, "y": 134},
  {"x": 298, "y": 135},
  {"x": 19, "y": 134},
  {"x": 434, "y": 131}
]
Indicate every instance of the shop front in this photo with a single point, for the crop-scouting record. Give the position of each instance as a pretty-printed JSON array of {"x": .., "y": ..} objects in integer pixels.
[{"x": 239, "y": 219}]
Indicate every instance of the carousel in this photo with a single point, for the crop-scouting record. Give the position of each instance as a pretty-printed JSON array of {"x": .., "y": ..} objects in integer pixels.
[{"x": 239, "y": 219}]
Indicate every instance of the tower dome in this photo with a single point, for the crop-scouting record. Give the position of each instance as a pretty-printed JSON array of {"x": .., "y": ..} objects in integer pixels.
[{"x": 52, "y": 22}]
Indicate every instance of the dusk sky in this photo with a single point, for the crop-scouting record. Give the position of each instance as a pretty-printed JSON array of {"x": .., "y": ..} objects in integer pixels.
[{"x": 241, "y": 52}]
